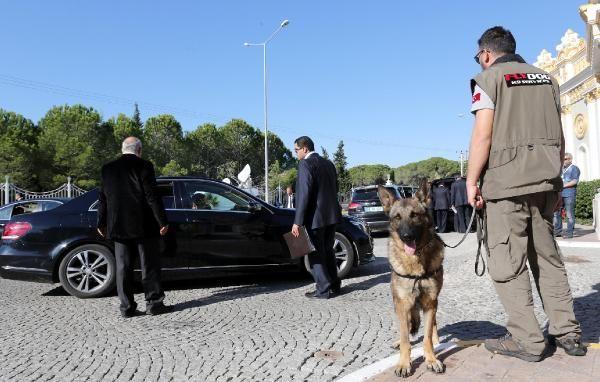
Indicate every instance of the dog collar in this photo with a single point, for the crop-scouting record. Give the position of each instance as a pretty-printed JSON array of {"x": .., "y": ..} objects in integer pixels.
[{"x": 419, "y": 278}]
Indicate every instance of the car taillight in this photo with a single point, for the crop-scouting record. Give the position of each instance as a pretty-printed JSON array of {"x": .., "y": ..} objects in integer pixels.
[
  {"x": 353, "y": 206},
  {"x": 13, "y": 231}
]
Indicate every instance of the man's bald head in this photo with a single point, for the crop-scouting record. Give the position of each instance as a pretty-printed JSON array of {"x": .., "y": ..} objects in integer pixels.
[{"x": 132, "y": 145}]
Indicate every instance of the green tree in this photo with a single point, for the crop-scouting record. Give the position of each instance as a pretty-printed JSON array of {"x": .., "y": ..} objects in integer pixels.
[
  {"x": 18, "y": 149},
  {"x": 369, "y": 174},
  {"x": 163, "y": 140},
  {"x": 432, "y": 168},
  {"x": 73, "y": 142},
  {"x": 203, "y": 151},
  {"x": 139, "y": 125},
  {"x": 124, "y": 127},
  {"x": 324, "y": 153},
  {"x": 340, "y": 161},
  {"x": 173, "y": 169}
]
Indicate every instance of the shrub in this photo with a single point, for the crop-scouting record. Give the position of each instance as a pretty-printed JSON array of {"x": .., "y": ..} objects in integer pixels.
[{"x": 585, "y": 195}]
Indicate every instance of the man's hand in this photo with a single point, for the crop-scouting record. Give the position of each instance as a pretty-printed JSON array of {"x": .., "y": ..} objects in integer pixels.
[
  {"x": 101, "y": 231},
  {"x": 164, "y": 230},
  {"x": 295, "y": 230},
  {"x": 475, "y": 198}
]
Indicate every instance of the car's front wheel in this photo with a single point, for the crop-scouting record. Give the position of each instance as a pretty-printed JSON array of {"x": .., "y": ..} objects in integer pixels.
[
  {"x": 88, "y": 271},
  {"x": 345, "y": 257}
]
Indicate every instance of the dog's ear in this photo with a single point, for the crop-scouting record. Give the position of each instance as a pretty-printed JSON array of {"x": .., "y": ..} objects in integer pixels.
[
  {"x": 423, "y": 192},
  {"x": 387, "y": 198}
]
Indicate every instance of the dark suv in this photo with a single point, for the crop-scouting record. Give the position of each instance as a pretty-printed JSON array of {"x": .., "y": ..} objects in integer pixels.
[{"x": 365, "y": 205}]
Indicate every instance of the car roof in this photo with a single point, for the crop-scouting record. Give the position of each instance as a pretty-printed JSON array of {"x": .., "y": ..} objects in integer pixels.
[
  {"x": 384, "y": 185},
  {"x": 60, "y": 200}
]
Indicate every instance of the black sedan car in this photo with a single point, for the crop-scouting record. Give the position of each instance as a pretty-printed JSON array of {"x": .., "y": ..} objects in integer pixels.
[
  {"x": 231, "y": 232},
  {"x": 366, "y": 206}
]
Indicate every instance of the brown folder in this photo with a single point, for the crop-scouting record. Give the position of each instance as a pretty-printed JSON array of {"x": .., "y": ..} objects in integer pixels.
[{"x": 301, "y": 245}]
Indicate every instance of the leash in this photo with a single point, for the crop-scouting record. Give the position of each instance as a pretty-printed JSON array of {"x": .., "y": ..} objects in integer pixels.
[
  {"x": 466, "y": 232},
  {"x": 481, "y": 239}
]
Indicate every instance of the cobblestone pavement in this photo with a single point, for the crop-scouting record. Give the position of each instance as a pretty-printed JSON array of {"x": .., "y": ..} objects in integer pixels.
[{"x": 258, "y": 328}]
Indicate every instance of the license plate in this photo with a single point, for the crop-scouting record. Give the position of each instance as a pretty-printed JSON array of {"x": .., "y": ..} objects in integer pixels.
[{"x": 373, "y": 209}]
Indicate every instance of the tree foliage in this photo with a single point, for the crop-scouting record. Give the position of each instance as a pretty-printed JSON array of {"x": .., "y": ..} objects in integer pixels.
[
  {"x": 124, "y": 127},
  {"x": 369, "y": 174},
  {"x": 162, "y": 140},
  {"x": 340, "y": 161},
  {"x": 18, "y": 143},
  {"x": 73, "y": 142},
  {"x": 432, "y": 168}
]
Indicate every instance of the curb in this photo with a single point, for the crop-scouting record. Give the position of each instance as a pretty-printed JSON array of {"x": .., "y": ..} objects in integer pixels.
[
  {"x": 578, "y": 244},
  {"x": 378, "y": 367}
]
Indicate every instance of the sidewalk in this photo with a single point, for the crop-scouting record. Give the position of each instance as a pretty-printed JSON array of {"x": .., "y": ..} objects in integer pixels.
[
  {"x": 583, "y": 237},
  {"x": 466, "y": 362}
]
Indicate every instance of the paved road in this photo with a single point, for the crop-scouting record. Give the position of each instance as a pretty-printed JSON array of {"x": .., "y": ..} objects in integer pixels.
[{"x": 252, "y": 328}]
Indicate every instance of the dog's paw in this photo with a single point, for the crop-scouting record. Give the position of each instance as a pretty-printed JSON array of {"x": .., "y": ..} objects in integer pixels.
[
  {"x": 402, "y": 370},
  {"x": 436, "y": 366},
  {"x": 396, "y": 345}
]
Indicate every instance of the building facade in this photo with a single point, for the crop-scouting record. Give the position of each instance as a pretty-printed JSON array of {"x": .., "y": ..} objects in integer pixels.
[{"x": 576, "y": 67}]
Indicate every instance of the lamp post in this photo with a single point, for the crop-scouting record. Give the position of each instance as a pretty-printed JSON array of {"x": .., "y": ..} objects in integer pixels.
[{"x": 283, "y": 24}]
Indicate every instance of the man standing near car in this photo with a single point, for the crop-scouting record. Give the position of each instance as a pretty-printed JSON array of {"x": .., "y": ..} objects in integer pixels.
[
  {"x": 516, "y": 149},
  {"x": 570, "y": 178},
  {"x": 458, "y": 199},
  {"x": 132, "y": 215},
  {"x": 441, "y": 204},
  {"x": 289, "y": 201},
  {"x": 317, "y": 209}
]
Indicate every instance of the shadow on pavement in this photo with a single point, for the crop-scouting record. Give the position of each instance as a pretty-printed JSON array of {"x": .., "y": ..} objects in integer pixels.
[
  {"x": 471, "y": 330},
  {"x": 586, "y": 311}
]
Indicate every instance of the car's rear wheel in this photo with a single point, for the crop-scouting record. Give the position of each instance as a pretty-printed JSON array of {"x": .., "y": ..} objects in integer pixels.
[
  {"x": 88, "y": 271},
  {"x": 345, "y": 256}
]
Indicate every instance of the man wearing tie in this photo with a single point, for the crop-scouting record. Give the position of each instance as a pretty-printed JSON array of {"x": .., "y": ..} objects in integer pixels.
[
  {"x": 132, "y": 215},
  {"x": 289, "y": 199},
  {"x": 317, "y": 209}
]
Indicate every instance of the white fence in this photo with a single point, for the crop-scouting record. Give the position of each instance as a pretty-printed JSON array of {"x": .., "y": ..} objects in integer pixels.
[{"x": 9, "y": 192}]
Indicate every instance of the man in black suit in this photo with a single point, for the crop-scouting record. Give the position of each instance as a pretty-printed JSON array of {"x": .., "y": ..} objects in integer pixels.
[
  {"x": 289, "y": 200},
  {"x": 317, "y": 209},
  {"x": 132, "y": 215},
  {"x": 441, "y": 204},
  {"x": 458, "y": 198}
]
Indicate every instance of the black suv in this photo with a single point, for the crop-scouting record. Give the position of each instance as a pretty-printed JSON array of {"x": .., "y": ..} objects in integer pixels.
[{"x": 365, "y": 204}]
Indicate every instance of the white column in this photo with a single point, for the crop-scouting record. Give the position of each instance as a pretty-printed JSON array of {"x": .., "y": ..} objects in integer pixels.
[
  {"x": 592, "y": 138},
  {"x": 567, "y": 120},
  {"x": 594, "y": 143}
]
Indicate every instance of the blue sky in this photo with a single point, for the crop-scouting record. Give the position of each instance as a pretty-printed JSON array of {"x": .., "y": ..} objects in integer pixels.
[{"x": 390, "y": 78}]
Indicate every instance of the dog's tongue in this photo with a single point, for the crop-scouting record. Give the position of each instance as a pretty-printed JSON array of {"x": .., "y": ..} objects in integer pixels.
[{"x": 410, "y": 248}]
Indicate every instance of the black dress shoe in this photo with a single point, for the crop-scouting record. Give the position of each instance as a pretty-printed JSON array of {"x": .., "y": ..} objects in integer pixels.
[
  {"x": 160, "y": 309},
  {"x": 131, "y": 313},
  {"x": 313, "y": 294}
]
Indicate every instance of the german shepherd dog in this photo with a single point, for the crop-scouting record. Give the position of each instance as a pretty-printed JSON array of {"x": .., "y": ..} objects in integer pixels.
[{"x": 415, "y": 254}]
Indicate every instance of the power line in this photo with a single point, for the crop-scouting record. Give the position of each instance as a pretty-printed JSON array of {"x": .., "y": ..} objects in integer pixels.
[{"x": 67, "y": 91}]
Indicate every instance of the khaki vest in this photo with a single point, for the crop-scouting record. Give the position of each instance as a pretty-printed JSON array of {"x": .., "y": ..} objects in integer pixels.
[{"x": 526, "y": 136}]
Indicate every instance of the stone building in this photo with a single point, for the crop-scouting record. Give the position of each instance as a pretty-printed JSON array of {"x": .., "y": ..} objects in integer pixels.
[{"x": 577, "y": 69}]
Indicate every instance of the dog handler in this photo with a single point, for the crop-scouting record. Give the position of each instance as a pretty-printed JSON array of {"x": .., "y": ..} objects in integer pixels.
[{"x": 516, "y": 149}]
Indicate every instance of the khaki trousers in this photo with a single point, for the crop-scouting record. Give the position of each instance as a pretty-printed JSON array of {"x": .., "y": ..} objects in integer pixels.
[{"x": 520, "y": 231}]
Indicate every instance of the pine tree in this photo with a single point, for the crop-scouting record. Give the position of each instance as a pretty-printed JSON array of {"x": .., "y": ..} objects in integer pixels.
[
  {"x": 136, "y": 118},
  {"x": 324, "y": 153},
  {"x": 340, "y": 161}
]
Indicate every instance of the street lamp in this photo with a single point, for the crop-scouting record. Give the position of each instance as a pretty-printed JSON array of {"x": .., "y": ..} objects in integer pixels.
[{"x": 283, "y": 24}]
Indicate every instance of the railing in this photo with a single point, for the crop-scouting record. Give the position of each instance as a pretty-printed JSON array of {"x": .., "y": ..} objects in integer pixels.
[{"x": 10, "y": 192}]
